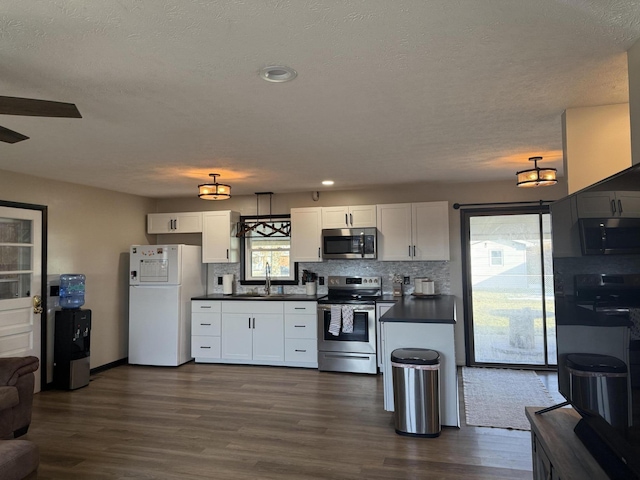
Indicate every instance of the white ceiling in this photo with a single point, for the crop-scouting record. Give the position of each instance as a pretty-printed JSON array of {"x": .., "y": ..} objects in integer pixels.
[{"x": 396, "y": 91}]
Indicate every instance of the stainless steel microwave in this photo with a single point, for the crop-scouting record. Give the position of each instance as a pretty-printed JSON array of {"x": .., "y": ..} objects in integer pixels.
[
  {"x": 610, "y": 236},
  {"x": 349, "y": 242}
]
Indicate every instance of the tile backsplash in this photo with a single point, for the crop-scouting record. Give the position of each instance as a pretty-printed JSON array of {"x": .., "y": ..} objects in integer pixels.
[{"x": 438, "y": 271}]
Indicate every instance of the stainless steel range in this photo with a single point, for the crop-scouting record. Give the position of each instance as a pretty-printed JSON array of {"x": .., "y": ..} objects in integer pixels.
[{"x": 347, "y": 325}]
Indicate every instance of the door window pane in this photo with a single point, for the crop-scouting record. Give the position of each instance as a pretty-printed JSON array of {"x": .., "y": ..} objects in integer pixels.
[
  {"x": 14, "y": 230},
  {"x": 15, "y": 286},
  {"x": 14, "y": 258},
  {"x": 508, "y": 269}
]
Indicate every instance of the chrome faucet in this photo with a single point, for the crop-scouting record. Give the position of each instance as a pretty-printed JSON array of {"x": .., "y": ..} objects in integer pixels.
[{"x": 267, "y": 281}]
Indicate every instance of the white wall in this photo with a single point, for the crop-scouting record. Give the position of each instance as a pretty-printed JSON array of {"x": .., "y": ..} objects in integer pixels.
[
  {"x": 633, "y": 56},
  {"x": 597, "y": 143},
  {"x": 89, "y": 232}
]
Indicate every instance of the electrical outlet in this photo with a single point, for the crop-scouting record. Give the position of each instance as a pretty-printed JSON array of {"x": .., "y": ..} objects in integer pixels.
[
  {"x": 320, "y": 280},
  {"x": 219, "y": 280},
  {"x": 407, "y": 280}
]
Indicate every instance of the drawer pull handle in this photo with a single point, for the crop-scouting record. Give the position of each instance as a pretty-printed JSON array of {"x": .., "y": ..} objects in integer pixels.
[
  {"x": 205, "y": 347},
  {"x": 300, "y": 326},
  {"x": 205, "y": 306},
  {"x": 205, "y": 324},
  {"x": 299, "y": 308},
  {"x": 300, "y": 350}
]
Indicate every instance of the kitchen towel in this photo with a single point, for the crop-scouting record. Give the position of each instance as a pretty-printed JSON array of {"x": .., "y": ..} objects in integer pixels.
[
  {"x": 336, "y": 320},
  {"x": 347, "y": 319}
]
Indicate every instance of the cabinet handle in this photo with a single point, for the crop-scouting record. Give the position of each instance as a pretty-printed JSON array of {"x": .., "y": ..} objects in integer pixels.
[
  {"x": 351, "y": 219},
  {"x": 299, "y": 308},
  {"x": 300, "y": 350},
  {"x": 175, "y": 224},
  {"x": 300, "y": 326},
  {"x": 620, "y": 207},
  {"x": 409, "y": 250},
  {"x": 254, "y": 323},
  {"x": 205, "y": 306},
  {"x": 227, "y": 254},
  {"x": 346, "y": 221},
  {"x": 249, "y": 322},
  {"x": 205, "y": 347},
  {"x": 613, "y": 206},
  {"x": 318, "y": 252},
  {"x": 205, "y": 324},
  {"x": 414, "y": 250}
]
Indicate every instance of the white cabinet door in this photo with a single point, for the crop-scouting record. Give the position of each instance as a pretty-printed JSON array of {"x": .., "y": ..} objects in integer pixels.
[
  {"x": 628, "y": 204},
  {"x": 268, "y": 337},
  {"x": 219, "y": 241},
  {"x": 394, "y": 232},
  {"x": 335, "y": 217},
  {"x": 186, "y": 222},
  {"x": 596, "y": 204},
  {"x": 362, "y": 216},
  {"x": 306, "y": 230},
  {"x": 237, "y": 336},
  {"x": 349, "y": 216},
  {"x": 430, "y": 229}
]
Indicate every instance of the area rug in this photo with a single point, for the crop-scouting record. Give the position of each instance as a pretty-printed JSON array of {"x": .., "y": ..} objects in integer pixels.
[{"x": 496, "y": 397}]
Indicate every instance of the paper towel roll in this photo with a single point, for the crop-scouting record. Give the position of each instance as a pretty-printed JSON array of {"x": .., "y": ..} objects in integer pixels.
[{"x": 227, "y": 284}]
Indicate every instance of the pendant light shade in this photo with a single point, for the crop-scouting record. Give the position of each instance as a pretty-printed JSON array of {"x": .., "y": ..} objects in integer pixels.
[
  {"x": 215, "y": 190},
  {"x": 536, "y": 176}
]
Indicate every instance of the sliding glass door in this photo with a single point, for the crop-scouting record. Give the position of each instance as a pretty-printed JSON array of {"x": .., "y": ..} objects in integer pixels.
[{"x": 509, "y": 287}]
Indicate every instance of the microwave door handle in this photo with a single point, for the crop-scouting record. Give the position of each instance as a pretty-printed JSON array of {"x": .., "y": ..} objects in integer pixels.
[{"x": 603, "y": 238}]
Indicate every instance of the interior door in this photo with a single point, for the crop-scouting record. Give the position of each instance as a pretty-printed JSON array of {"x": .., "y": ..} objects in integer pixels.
[
  {"x": 20, "y": 283},
  {"x": 509, "y": 287}
]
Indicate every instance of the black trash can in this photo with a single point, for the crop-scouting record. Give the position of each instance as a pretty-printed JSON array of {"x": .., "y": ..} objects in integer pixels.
[
  {"x": 598, "y": 385},
  {"x": 416, "y": 391}
]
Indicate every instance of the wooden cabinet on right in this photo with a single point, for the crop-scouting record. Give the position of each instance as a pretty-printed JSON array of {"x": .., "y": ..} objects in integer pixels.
[
  {"x": 413, "y": 231},
  {"x": 608, "y": 204},
  {"x": 557, "y": 453}
]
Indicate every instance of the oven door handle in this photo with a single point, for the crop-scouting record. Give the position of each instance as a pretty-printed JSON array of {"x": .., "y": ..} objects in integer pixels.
[{"x": 356, "y": 307}]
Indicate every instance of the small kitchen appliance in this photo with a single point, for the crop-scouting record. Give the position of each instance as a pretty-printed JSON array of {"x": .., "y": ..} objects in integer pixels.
[
  {"x": 349, "y": 243},
  {"x": 351, "y": 306}
]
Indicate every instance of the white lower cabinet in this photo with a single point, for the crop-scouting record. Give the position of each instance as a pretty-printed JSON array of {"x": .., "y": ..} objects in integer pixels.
[
  {"x": 301, "y": 334},
  {"x": 255, "y": 332},
  {"x": 205, "y": 330}
]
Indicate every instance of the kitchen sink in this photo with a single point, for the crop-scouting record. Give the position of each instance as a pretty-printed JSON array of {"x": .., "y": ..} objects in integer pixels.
[{"x": 258, "y": 295}]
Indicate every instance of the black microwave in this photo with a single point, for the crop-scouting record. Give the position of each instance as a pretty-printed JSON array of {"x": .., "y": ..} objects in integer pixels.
[
  {"x": 610, "y": 236},
  {"x": 349, "y": 243}
]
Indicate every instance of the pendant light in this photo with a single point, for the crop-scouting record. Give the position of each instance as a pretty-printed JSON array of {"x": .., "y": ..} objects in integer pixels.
[
  {"x": 536, "y": 176},
  {"x": 215, "y": 190}
]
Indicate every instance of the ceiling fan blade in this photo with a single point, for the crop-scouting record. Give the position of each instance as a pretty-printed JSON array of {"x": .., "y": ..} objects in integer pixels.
[
  {"x": 37, "y": 108},
  {"x": 9, "y": 136}
]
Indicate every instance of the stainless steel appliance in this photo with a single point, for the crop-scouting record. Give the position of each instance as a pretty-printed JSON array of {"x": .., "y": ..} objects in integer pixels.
[
  {"x": 355, "y": 351},
  {"x": 349, "y": 243},
  {"x": 610, "y": 236}
]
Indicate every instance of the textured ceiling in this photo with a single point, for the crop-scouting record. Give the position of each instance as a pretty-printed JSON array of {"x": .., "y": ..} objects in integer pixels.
[{"x": 396, "y": 91}]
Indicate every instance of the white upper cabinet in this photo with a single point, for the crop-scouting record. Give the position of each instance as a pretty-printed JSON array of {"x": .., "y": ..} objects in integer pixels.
[
  {"x": 306, "y": 230},
  {"x": 609, "y": 204},
  {"x": 219, "y": 241},
  {"x": 349, "y": 217},
  {"x": 413, "y": 231},
  {"x": 186, "y": 222}
]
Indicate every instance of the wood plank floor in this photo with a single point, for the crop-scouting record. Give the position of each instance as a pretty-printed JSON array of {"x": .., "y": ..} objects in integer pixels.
[{"x": 203, "y": 421}]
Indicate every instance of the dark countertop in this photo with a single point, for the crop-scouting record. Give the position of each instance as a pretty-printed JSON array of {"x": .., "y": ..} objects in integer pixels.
[
  {"x": 568, "y": 312},
  {"x": 275, "y": 297},
  {"x": 411, "y": 309}
]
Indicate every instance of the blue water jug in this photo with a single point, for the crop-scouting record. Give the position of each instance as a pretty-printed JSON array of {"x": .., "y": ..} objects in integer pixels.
[{"x": 72, "y": 290}]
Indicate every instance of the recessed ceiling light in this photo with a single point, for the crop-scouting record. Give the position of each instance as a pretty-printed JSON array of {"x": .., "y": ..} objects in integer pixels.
[
  {"x": 327, "y": 182},
  {"x": 278, "y": 73}
]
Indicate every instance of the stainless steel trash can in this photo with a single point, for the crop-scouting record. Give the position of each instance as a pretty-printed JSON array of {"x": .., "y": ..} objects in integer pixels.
[
  {"x": 598, "y": 385},
  {"x": 416, "y": 391}
]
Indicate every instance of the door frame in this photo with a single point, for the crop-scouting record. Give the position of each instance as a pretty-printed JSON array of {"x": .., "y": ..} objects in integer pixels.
[
  {"x": 465, "y": 215},
  {"x": 43, "y": 209}
]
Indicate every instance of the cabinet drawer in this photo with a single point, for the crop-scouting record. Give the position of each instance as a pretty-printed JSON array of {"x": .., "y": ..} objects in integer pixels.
[
  {"x": 205, "y": 323},
  {"x": 300, "y": 326},
  {"x": 307, "y": 308},
  {"x": 205, "y": 347},
  {"x": 300, "y": 350},
  {"x": 206, "y": 306},
  {"x": 253, "y": 307}
]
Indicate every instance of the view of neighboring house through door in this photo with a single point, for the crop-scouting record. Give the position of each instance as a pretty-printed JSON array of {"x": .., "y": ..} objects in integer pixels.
[
  {"x": 509, "y": 287},
  {"x": 20, "y": 283}
]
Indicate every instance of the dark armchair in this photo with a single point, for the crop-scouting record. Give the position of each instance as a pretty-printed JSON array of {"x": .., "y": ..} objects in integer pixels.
[{"x": 16, "y": 395}]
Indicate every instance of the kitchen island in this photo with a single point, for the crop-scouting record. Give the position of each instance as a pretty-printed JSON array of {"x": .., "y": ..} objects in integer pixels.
[{"x": 418, "y": 322}]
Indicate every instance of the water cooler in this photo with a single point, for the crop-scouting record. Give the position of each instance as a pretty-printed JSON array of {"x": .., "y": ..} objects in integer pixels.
[{"x": 72, "y": 344}]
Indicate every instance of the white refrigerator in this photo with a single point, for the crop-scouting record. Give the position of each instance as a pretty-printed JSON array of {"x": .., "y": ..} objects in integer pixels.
[{"x": 162, "y": 280}]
